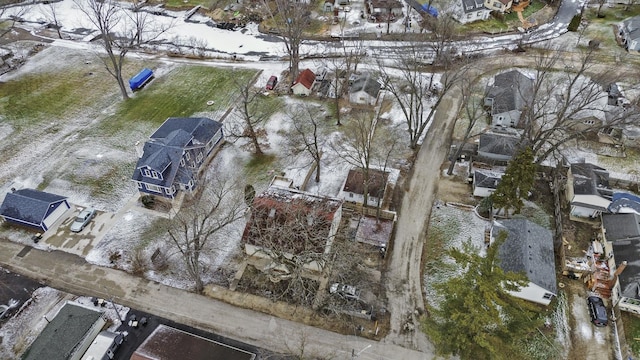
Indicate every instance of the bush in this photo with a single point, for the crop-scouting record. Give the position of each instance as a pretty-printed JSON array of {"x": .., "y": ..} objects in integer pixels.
[
  {"x": 148, "y": 201},
  {"x": 575, "y": 23}
]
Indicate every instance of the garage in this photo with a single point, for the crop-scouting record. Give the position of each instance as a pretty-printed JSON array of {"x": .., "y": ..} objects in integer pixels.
[{"x": 35, "y": 209}]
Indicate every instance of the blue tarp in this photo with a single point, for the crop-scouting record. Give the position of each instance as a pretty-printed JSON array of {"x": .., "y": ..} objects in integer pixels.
[
  {"x": 140, "y": 79},
  {"x": 430, "y": 10}
]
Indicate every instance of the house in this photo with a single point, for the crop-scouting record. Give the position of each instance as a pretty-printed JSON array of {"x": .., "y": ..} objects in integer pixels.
[
  {"x": 622, "y": 233},
  {"x": 382, "y": 9},
  {"x": 528, "y": 249},
  {"x": 624, "y": 203},
  {"x": 588, "y": 190},
  {"x": 495, "y": 147},
  {"x": 168, "y": 343},
  {"x": 68, "y": 335},
  {"x": 353, "y": 188},
  {"x": 508, "y": 97},
  {"x": 467, "y": 11},
  {"x": 304, "y": 83},
  {"x": 310, "y": 223},
  {"x": 173, "y": 157},
  {"x": 364, "y": 90},
  {"x": 629, "y": 32},
  {"x": 498, "y": 5},
  {"x": 32, "y": 208},
  {"x": 485, "y": 182},
  {"x": 328, "y": 5}
]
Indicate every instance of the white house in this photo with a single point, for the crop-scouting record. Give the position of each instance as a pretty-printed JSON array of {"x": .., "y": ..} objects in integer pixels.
[
  {"x": 364, "y": 90},
  {"x": 507, "y": 97},
  {"x": 485, "y": 182},
  {"x": 304, "y": 83},
  {"x": 528, "y": 249},
  {"x": 353, "y": 188},
  {"x": 588, "y": 190},
  {"x": 467, "y": 11},
  {"x": 629, "y": 32}
]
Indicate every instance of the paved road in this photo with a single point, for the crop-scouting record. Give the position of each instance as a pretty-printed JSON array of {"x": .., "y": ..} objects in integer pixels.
[{"x": 71, "y": 273}]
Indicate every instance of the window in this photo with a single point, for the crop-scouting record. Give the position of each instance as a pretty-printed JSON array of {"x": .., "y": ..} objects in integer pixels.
[
  {"x": 170, "y": 190},
  {"x": 182, "y": 162},
  {"x": 199, "y": 157},
  {"x": 139, "y": 185},
  {"x": 187, "y": 156},
  {"x": 547, "y": 296},
  {"x": 146, "y": 172},
  {"x": 154, "y": 188},
  {"x": 154, "y": 175},
  {"x": 468, "y": 16},
  {"x": 479, "y": 13},
  {"x": 350, "y": 195}
]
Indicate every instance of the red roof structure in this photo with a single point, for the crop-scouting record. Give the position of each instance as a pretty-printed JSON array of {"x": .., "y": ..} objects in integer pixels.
[{"x": 306, "y": 78}]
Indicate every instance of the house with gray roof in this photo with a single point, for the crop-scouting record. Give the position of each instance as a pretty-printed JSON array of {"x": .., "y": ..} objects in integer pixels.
[
  {"x": 364, "y": 90},
  {"x": 32, "y": 208},
  {"x": 494, "y": 147},
  {"x": 485, "y": 182},
  {"x": 68, "y": 335},
  {"x": 173, "y": 157},
  {"x": 528, "y": 249},
  {"x": 467, "y": 11},
  {"x": 507, "y": 98},
  {"x": 629, "y": 31},
  {"x": 588, "y": 190}
]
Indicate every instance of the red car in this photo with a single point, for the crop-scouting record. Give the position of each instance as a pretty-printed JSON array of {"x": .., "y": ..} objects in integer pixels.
[{"x": 271, "y": 83}]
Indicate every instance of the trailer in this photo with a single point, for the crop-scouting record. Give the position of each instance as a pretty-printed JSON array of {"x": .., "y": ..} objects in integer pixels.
[{"x": 140, "y": 79}]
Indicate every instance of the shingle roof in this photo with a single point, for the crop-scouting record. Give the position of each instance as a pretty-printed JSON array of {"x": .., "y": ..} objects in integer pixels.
[
  {"x": 486, "y": 178},
  {"x": 509, "y": 92},
  {"x": 589, "y": 179},
  {"x": 163, "y": 151},
  {"x": 29, "y": 205},
  {"x": 366, "y": 83},
  {"x": 621, "y": 226},
  {"x": 306, "y": 78},
  {"x": 631, "y": 27},
  {"x": 63, "y": 333},
  {"x": 377, "y": 182},
  {"x": 498, "y": 144},
  {"x": 529, "y": 249},
  {"x": 629, "y": 251}
]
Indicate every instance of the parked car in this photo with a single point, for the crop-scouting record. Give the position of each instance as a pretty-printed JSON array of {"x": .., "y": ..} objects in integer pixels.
[
  {"x": 271, "y": 83},
  {"x": 82, "y": 220},
  {"x": 597, "y": 311},
  {"x": 346, "y": 291}
]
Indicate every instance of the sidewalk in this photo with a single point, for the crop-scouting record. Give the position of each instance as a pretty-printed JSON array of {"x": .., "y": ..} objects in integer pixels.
[{"x": 71, "y": 273}]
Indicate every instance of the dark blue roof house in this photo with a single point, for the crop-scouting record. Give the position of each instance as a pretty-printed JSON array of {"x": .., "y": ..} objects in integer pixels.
[
  {"x": 174, "y": 155},
  {"x": 32, "y": 208}
]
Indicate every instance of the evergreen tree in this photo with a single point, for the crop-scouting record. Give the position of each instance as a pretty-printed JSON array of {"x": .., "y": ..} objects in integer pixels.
[
  {"x": 516, "y": 182},
  {"x": 477, "y": 318}
]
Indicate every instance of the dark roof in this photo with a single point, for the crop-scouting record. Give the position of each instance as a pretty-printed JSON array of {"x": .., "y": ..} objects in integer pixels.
[
  {"x": 384, "y": 4},
  {"x": 629, "y": 251},
  {"x": 63, "y": 333},
  {"x": 163, "y": 151},
  {"x": 624, "y": 202},
  {"x": 621, "y": 227},
  {"x": 29, "y": 205},
  {"x": 167, "y": 343},
  {"x": 528, "y": 249},
  {"x": 469, "y": 6},
  {"x": 498, "y": 144},
  {"x": 589, "y": 179},
  {"x": 306, "y": 78},
  {"x": 377, "y": 182},
  {"x": 307, "y": 218},
  {"x": 510, "y": 91},
  {"x": 366, "y": 83},
  {"x": 486, "y": 178},
  {"x": 631, "y": 27}
]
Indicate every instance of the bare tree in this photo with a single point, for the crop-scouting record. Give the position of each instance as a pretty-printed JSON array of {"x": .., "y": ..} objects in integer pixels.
[
  {"x": 417, "y": 92},
  {"x": 291, "y": 19},
  {"x": 52, "y": 14},
  {"x": 443, "y": 30},
  {"x": 307, "y": 136},
  {"x": 9, "y": 15},
  {"x": 295, "y": 232},
  {"x": 195, "y": 229},
  {"x": 121, "y": 31},
  {"x": 253, "y": 111},
  {"x": 472, "y": 112},
  {"x": 568, "y": 105}
]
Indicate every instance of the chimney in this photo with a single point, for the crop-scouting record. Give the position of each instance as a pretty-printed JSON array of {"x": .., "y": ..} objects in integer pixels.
[{"x": 139, "y": 149}]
